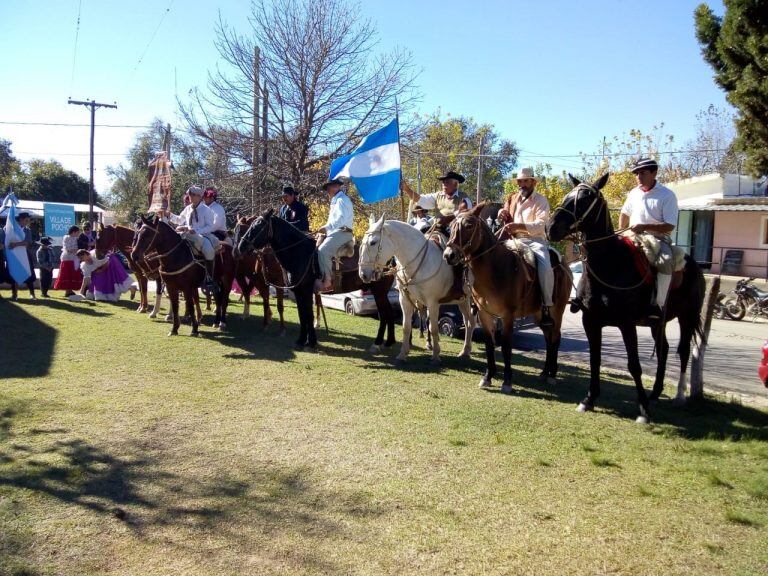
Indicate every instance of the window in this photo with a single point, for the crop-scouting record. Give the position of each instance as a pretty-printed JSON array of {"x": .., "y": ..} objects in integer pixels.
[{"x": 764, "y": 232}]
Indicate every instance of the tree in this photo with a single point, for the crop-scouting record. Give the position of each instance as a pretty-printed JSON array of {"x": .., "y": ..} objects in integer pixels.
[
  {"x": 48, "y": 180},
  {"x": 326, "y": 88},
  {"x": 712, "y": 150},
  {"x": 736, "y": 46},
  {"x": 9, "y": 165},
  {"x": 454, "y": 144}
]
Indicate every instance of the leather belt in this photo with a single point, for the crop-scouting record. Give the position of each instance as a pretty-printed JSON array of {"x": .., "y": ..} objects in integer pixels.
[{"x": 345, "y": 229}]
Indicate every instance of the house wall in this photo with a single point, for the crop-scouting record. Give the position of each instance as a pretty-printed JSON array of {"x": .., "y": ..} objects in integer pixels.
[
  {"x": 741, "y": 230},
  {"x": 698, "y": 186}
]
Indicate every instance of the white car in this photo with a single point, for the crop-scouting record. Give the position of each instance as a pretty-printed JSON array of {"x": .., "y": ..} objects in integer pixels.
[
  {"x": 577, "y": 269},
  {"x": 359, "y": 302}
]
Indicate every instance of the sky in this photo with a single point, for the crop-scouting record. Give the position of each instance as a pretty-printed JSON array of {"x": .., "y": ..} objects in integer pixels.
[{"x": 553, "y": 76}]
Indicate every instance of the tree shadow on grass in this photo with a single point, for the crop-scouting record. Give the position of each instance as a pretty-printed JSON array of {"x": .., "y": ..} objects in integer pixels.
[
  {"x": 197, "y": 512},
  {"x": 27, "y": 344}
]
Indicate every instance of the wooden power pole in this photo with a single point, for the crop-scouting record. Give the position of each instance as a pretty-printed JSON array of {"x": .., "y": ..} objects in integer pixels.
[
  {"x": 93, "y": 105},
  {"x": 255, "y": 147}
]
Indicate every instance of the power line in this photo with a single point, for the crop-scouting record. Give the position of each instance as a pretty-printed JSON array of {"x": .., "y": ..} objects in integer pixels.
[
  {"x": 146, "y": 48},
  {"x": 74, "y": 50},
  {"x": 70, "y": 153},
  {"x": 74, "y": 125}
]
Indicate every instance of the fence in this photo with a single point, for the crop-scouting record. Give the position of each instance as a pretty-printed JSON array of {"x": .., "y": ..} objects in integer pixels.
[{"x": 750, "y": 261}]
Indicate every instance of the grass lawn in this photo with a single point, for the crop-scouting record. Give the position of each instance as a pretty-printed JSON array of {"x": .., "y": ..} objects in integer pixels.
[{"x": 126, "y": 452}]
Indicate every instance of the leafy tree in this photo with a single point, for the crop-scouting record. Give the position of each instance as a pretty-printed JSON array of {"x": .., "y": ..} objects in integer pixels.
[
  {"x": 9, "y": 165},
  {"x": 736, "y": 46},
  {"x": 49, "y": 181},
  {"x": 712, "y": 150}
]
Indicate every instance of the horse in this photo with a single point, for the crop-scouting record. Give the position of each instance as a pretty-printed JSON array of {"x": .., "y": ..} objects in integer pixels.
[
  {"x": 424, "y": 278},
  {"x": 121, "y": 238},
  {"x": 181, "y": 272},
  {"x": 505, "y": 286},
  {"x": 297, "y": 253},
  {"x": 258, "y": 270},
  {"x": 614, "y": 291}
]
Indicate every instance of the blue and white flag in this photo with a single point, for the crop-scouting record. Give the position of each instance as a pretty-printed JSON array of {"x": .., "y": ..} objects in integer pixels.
[
  {"x": 16, "y": 258},
  {"x": 374, "y": 166}
]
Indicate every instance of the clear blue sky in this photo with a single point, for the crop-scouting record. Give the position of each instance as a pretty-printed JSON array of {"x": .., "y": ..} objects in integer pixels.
[{"x": 553, "y": 76}]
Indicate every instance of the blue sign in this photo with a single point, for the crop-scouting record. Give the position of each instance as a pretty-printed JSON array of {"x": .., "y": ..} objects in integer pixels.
[{"x": 58, "y": 219}]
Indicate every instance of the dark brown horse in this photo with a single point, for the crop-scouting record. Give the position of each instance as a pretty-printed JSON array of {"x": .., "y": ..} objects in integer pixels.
[
  {"x": 181, "y": 272},
  {"x": 258, "y": 270},
  {"x": 505, "y": 286},
  {"x": 614, "y": 292}
]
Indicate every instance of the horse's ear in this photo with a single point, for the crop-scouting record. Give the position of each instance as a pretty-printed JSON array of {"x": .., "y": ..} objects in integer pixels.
[
  {"x": 143, "y": 219},
  {"x": 268, "y": 213},
  {"x": 575, "y": 181},
  {"x": 237, "y": 216},
  {"x": 602, "y": 181},
  {"x": 371, "y": 219},
  {"x": 475, "y": 210}
]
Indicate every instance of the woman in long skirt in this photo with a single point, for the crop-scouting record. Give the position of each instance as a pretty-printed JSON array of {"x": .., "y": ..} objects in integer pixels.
[
  {"x": 70, "y": 278},
  {"x": 104, "y": 279}
]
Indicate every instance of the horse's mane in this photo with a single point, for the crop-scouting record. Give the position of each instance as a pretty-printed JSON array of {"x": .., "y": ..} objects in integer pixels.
[{"x": 284, "y": 225}]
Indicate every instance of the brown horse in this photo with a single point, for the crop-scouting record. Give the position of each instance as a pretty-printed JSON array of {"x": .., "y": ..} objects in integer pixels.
[
  {"x": 258, "y": 270},
  {"x": 181, "y": 272},
  {"x": 505, "y": 286}
]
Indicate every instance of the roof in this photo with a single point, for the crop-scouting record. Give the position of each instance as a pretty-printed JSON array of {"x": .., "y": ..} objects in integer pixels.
[
  {"x": 728, "y": 207},
  {"x": 36, "y": 207}
]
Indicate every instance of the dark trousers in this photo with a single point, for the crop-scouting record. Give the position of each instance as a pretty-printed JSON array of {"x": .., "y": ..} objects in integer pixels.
[{"x": 46, "y": 279}]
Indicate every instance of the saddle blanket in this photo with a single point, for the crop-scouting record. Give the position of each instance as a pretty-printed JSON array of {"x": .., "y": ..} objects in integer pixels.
[
  {"x": 523, "y": 249},
  {"x": 653, "y": 248}
]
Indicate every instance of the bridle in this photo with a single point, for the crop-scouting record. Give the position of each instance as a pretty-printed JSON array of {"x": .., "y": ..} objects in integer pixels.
[
  {"x": 461, "y": 247},
  {"x": 577, "y": 221},
  {"x": 156, "y": 231}
]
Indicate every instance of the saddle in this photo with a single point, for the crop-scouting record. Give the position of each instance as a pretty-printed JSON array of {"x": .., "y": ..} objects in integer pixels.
[
  {"x": 345, "y": 261},
  {"x": 640, "y": 246}
]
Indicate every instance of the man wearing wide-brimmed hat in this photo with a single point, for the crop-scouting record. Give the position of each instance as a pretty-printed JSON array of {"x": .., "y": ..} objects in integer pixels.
[
  {"x": 525, "y": 214},
  {"x": 337, "y": 232},
  {"x": 650, "y": 212},
  {"x": 446, "y": 202}
]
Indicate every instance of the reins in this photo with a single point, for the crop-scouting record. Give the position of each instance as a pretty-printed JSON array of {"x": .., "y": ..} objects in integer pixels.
[{"x": 159, "y": 257}]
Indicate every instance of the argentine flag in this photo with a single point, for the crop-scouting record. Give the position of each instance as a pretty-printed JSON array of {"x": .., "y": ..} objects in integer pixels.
[
  {"x": 374, "y": 166},
  {"x": 16, "y": 259}
]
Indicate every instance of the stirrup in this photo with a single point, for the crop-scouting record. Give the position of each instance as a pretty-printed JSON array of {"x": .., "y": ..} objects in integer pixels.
[{"x": 546, "y": 318}]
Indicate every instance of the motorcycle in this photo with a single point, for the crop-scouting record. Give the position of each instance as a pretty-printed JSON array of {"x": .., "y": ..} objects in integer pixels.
[
  {"x": 720, "y": 311},
  {"x": 748, "y": 299}
]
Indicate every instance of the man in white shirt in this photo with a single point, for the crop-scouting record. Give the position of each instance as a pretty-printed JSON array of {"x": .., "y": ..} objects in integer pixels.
[
  {"x": 651, "y": 210},
  {"x": 211, "y": 199},
  {"x": 195, "y": 224},
  {"x": 421, "y": 220},
  {"x": 336, "y": 233}
]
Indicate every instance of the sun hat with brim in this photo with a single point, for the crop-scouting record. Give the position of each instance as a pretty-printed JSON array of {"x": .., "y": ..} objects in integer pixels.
[
  {"x": 644, "y": 164},
  {"x": 334, "y": 182},
  {"x": 289, "y": 190},
  {"x": 21, "y": 215},
  {"x": 195, "y": 191},
  {"x": 526, "y": 174},
  {"x": 46, "y": 241},
  {"x": 453, "y": 175}
]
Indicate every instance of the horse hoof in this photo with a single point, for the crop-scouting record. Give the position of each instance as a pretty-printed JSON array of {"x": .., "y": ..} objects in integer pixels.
[
  {"x": 399, "y": 361},
  {"x": 153, "y": 315},
  {"x": 216, "y": 324},
  {"x": 168, "y": 317},
  {"x": 485, "y": 384},
  {"x": 173, "y": 333},
  {"x": 506, "y": 388},
  {"x": 550, "y": 380},
  {"x": 310, "y": 349},
  {"x": 429, "y": 346},
  {"x": 374, "y": 349},
  {"x": 642, "y": 420},
  {"x": 679, "y": 401},
  {"x": 465, "y": 356},
  {"x": 585, "y": 408},
  {"x": 222, "y": 326}
]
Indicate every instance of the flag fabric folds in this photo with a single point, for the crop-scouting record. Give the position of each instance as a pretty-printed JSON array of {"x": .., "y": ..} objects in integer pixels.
[
  {"x": 374, "y": 166},
  {"x": 16, "y": 258}
]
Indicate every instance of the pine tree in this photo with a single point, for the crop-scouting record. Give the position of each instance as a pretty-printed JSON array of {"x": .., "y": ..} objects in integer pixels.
[{"x": 736, "y": 46}]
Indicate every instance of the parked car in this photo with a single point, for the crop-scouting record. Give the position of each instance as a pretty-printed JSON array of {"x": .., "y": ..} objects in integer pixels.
[
  {"x": 451, "y": 323},
  {"x": 762, "y": 370},
  {"x": 577, "y": 269},
  {"x": 358, "y": 303}
]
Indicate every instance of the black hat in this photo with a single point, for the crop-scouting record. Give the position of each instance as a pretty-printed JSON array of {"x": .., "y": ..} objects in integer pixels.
[
  {"x": 46, "y": 241},
  {"x": 335, "y": 181},
  {"x": 289, "y": 190},
  {"x": 453, "y": 175},
  {"x": 644, "y": 164},
  {"x": 21, "y": 215}
]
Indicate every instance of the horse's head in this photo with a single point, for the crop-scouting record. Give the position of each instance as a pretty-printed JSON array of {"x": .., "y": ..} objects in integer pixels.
[
  {"x": 241, "y": 225},
  {"x": 376, "y": 250},
  {"x": 579, "y": 210},
  {"x": 466, "y": 235},
  {"x": 146, "y": 237},
  {"x": 258, "y": 234},
  {"x": 105, "y": 239}
]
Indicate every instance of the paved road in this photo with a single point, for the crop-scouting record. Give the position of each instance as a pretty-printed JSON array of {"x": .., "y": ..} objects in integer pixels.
[{"x": 731, "y": 362}]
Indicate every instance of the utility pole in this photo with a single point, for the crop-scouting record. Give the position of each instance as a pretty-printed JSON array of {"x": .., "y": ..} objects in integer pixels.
[
  {"x": 168, "y": 142},
  {"x": 418, "y": 170},
  {"x": 255, "y": 147},
  {"x": 479, "y": 169},
  {"x": 93, "y": 105},
  {"x": 264, "y": 105}
]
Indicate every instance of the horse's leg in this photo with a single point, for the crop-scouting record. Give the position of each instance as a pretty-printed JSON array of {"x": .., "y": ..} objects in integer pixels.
[
  {"x": 384, "y": 309},
  {"x": 208, "y": 302},
  {"x": 301, "y": 307},
  {"x": 684, "y": 351},
  {"x": 434, "y": 315},
  {"x": 311, "y": 332},
  {"x": 662, "y": 353},
  {"x": 318, "y": 304},
  {"x": 173, "y": 296},
  {"x": 191, "y": 295},
  {"x": 486, "y": 321},
  {"x": 629, "y": 334},
  {"x": 391, "y": 339},
  {"x": 405, "y": 347},
  {"x": 224, "y": 302},
  {"x": 197, "y": 310},
  {"x": 158, "y": 298},
  {"x": 594, "y": 332},
  {"x": 552, "y": 337},
  {"x": 279, "y": 297},
  {"x": 143, "y": 301},
  {"x": 245, "y": 292},
  {"x": 469, "y": 328},
  {"x": 507, "y": 333}
]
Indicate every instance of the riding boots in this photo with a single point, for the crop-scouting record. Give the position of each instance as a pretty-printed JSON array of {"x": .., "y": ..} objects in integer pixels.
[
  {"x": 210, "y": 285},
  {"x": 546, "y": 318}
]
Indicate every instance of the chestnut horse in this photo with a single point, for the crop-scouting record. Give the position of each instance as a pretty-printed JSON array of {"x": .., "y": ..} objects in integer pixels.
[
  {"x": 505, "y": 286},
  {"x": 258, "y": 270},
  {"x": 181, "y": 272}
]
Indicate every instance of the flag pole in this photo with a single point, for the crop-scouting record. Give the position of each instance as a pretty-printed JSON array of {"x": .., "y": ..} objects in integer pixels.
[{"x": 400, "y": 153}]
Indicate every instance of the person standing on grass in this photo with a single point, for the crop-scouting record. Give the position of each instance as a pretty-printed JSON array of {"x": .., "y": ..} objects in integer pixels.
[
  {"x": 45, "y": 261},
  {"x": 29, "y": 245},
  {"x": 70, "y": 278}
]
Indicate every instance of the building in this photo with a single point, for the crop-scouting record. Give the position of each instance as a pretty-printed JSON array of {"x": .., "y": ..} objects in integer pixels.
[
  {"x": 723, "y": 222},
  {"x": 36, "y": 209}
]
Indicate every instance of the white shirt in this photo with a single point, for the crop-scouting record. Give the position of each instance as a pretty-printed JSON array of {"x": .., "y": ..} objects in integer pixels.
[
  {"x": 88, "y": 268},
  {"x": 341, "y": 214},
  {"x": 202, "y": 224},
  {"x": 657, "y": 206},
  {"x": 219, "y": 217}
]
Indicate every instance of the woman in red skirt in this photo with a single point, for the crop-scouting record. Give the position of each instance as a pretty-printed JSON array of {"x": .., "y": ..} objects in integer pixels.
[{"x": 70, "y": 278}]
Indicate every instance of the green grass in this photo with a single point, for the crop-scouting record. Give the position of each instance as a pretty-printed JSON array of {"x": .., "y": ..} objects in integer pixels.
[{"x": 126, "y": 452}]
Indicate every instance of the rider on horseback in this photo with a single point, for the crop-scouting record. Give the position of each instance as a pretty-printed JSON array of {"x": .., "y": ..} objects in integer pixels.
[
  {"x": 525, "y": 215},
  {"x": 294, "y": 210},
  {"x": 195, "y": 224},
  {"x": 336, "y": 234},
  {"x": 650, "y": 212},
  {"x": 449, "y": 201},
  {"x": 211, "y": 199}
]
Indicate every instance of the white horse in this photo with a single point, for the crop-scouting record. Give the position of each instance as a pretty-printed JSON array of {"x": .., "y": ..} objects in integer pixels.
[{"x": 423, "y": 278}]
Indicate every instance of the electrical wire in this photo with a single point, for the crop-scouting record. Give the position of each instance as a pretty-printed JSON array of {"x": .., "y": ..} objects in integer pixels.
[
  {"x": 154, "y": 33},
  {"x": 74, "y": 125},
  {"x": 74, "y": 50}
]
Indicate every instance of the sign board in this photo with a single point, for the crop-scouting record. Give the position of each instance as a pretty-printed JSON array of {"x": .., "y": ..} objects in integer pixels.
[
  {"x": 159, "y": 194},
  {"x": 58, "y": 219}
]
